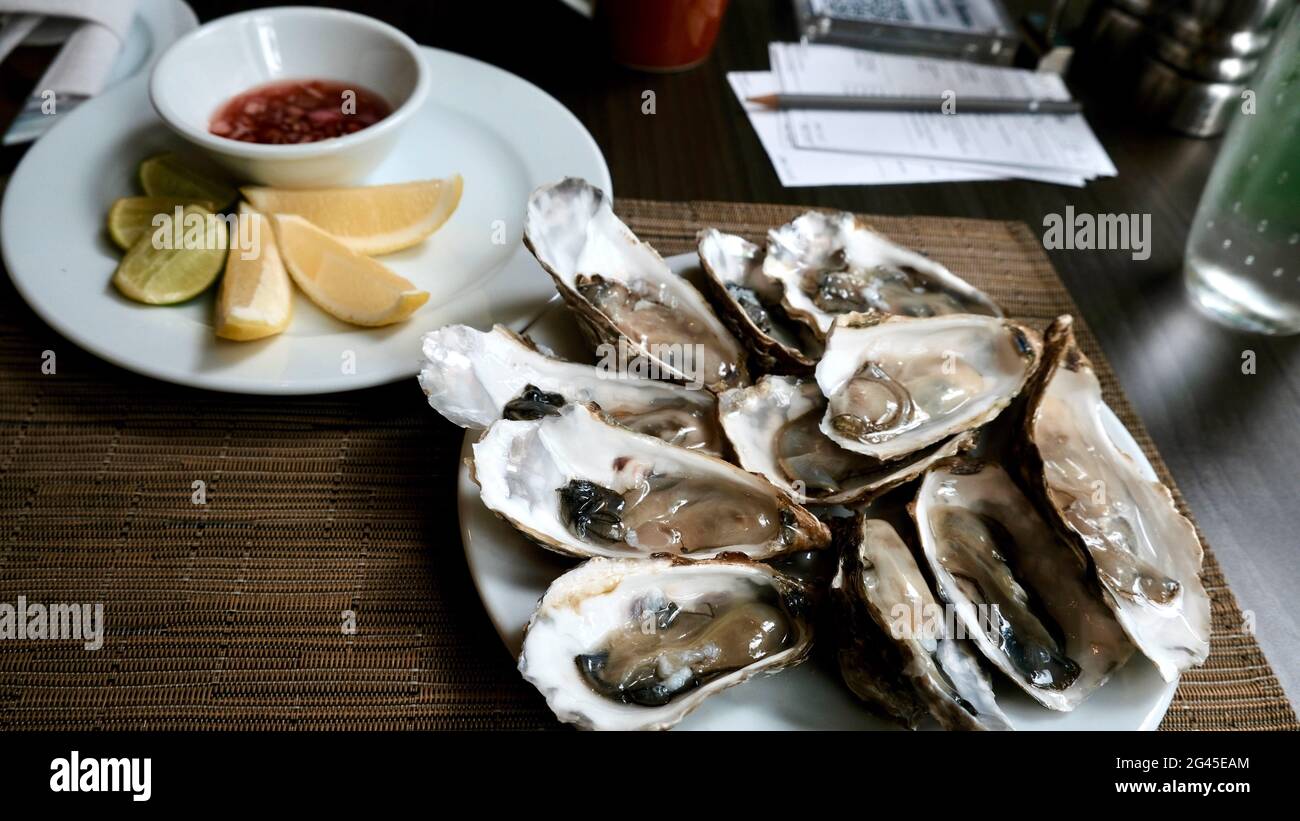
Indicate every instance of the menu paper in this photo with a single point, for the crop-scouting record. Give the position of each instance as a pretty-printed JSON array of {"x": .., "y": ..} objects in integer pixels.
[{"x": 814, "y": 147}]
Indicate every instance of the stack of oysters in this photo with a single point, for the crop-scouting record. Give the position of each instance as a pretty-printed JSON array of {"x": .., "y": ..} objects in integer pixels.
[{"x": 832, "y": 395}]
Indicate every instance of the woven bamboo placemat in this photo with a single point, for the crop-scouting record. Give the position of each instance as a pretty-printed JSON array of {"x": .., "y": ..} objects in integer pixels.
[{"x": 229, "y": 614}]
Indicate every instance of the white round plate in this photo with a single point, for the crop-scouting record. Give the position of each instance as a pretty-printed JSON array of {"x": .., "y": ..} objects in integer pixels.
[
  {"x": 505, "y": 136},
  {"x": 511, "y": 574}
]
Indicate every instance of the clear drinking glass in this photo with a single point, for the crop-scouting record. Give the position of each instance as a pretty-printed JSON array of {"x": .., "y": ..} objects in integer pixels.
[{"x": 1243, "y": 253}]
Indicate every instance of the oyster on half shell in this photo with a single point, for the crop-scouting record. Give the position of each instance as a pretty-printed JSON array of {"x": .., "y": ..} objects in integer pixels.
[
  {"x": 1146, "y": 554},
  {"x": 887, "y": 601},
  {"x": 475, "y": 378},
  {"x": 895, "y": 385},
  {"x": 833, "y": 264},
  {"x": 750, "y": 303},
  {"x": 1025, "y": 596},
  {"x": 774, "y": 428},
  {"x": 580, "y": 485},
  {"x": 637, "y": 644},
  {"x": 621, "y": 289}
]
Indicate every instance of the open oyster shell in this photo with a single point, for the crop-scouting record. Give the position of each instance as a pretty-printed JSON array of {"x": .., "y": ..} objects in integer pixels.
[
  {"x": 871, "y": 666},
  {"x": 1146, "y": 554},
  {"x": 580, "y": 485},
  {"x": 1025, "y": 596},
  {"x": 833, "y": 264},
  {"x": 475, "y": 378},
  {"x": 895, "y": 385},
  {"x": 638, "y": 644},
  {"x": 886, "y": 600},
  {"x": 620, "y": 288},
  {"x": 750, "y": 303},
  {"x": 774, "y": 428}
]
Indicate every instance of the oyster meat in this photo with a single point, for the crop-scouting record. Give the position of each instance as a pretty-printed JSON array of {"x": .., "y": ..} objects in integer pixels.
[
  {"x": 887, "y": 601},
  {"x": 896, "y": 385},
  {"x": 1025, "y": 596},
  {"x": 636, "y": 644},
  {"x": 1146, "y": 554},
  {"x": 583, "y": 486},
  {"x": 475, "y": 378},
  {"x": 774, "y": 428},
  {"x": 833, "y": 264},
  {"x": 750, "y": 303},
  {"x": 623, "y": 292}
]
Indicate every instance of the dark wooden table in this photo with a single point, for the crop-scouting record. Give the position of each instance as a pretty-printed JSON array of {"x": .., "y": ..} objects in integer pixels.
[{"x": 1231, "y": 439}]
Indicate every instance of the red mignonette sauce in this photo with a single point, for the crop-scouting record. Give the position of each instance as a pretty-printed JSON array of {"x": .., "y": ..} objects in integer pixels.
[{"x": 298, "y": 111}]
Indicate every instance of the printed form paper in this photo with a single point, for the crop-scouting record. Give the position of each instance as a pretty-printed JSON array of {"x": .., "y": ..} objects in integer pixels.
[{"x": 1055, "y": 148}]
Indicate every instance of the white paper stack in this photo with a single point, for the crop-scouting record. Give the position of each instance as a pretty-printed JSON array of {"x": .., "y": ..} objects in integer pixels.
[{"x": 810, "y": 147}]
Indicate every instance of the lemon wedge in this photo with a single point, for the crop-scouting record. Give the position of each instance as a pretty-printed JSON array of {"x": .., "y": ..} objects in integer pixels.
[
  {"x": 256, "y": 299},
  {"x": 132, "y": 217},
  {"x": 376, "y": 219},
  {"x": 344, "y": 283},
  {"x": 163, "y": 275},
  {"x": 167, "y": 175}
]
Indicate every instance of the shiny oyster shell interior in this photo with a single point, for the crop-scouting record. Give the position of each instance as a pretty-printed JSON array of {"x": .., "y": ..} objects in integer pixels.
[
  {"x": 581, "y": 485},
  {"x": 474, "y": 378},
  {"x": 895, "y": 385},
  {"x": 879, "y": 368},
  {"x": 885, "y": 591},
  {"x": 750, "y": 303},
  {"x": 638, "y": 644},
  {"x": 620, "y": 288},
  {"x": 1025, "y": 596},
  {"x": 774, "y": 429},
  {"x": 833, "y": 264},
  {"x": 1147, "y": 555}
]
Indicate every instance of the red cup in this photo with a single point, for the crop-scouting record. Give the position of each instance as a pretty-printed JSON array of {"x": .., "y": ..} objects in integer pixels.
[{"x": 661, "y": 35}]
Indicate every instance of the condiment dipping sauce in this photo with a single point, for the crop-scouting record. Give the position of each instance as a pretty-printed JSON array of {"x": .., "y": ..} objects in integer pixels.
[
  {"x": 198, "y": 78},
  {"x": 298, "y": 111}
]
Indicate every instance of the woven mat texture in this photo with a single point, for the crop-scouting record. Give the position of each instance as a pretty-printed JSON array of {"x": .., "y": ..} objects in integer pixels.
[{"x": 228, "y": 614}]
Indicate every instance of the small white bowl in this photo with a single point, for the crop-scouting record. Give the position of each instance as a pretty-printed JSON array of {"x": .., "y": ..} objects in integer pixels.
[{"x": 209, "y": 66}]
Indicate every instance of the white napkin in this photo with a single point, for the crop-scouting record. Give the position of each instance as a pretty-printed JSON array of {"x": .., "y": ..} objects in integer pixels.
[{"x": 85, "y": 61}]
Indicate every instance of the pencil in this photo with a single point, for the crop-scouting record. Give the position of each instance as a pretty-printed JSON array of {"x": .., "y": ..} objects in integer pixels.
[{"x": 953, "y": 104}]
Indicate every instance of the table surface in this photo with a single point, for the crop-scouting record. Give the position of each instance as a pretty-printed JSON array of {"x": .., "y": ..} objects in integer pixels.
[{"x": 1230, "y": 439}]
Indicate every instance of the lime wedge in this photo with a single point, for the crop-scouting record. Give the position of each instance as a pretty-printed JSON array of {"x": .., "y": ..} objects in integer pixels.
[
  {"x": 167, "y": 175},
  {"x": 163, "y": 276},
  {"x": 132, "y": 217}
]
